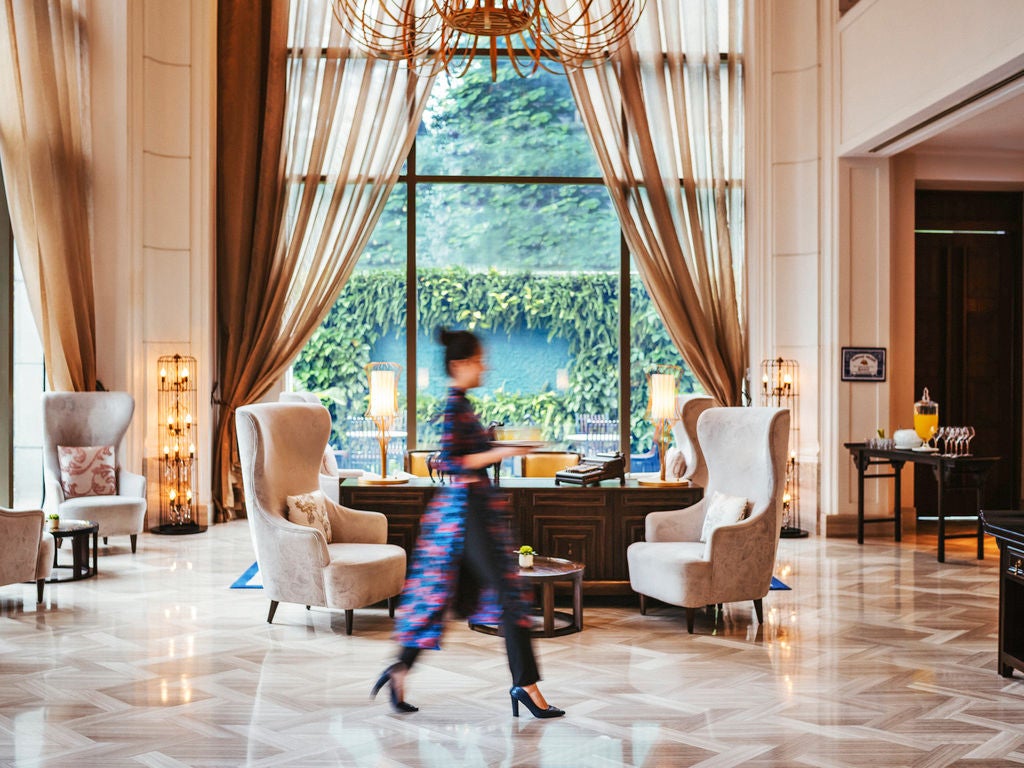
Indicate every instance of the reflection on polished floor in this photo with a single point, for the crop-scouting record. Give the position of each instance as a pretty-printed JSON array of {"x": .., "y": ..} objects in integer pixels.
[{"x": 879, "y": 656}]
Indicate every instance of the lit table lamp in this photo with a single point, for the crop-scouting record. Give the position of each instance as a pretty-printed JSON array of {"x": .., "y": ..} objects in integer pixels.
[
  {"x": 661, "y": 410},
  {"x": 383, "y": 379}
]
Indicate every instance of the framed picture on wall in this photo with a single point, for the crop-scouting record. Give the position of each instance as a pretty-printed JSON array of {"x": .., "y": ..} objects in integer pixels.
[{"x": 863, "y": 364}]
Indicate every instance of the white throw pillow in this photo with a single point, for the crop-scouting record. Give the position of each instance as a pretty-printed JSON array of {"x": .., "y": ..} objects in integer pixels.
[
  {"x": 310, "y": 509},
  {"x": 722, "y": 509}
]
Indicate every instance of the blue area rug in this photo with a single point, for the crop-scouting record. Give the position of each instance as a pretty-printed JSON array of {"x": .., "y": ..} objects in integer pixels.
[{"x": 243, "y": 581}]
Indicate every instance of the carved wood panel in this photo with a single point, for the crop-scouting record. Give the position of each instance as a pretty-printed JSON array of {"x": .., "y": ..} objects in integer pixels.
[
  {"x": 632, "y": 511},
  {"x": 574, "y": 524},
  {"x": 403, "y": 508}
]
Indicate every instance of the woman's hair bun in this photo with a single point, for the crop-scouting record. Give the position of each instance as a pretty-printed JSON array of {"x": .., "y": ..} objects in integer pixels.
[{"x": 458, "y": 345}]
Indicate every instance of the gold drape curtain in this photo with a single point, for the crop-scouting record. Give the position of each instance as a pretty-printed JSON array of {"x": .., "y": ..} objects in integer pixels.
[
  {"x": 45, "y": 150},
  {"x": 665, "y": 117},
  {"x": 309, "y": 149}
]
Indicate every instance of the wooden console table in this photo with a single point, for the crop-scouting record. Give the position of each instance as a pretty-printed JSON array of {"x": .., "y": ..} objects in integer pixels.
[
  {"x": 591, "y": 525},
  {"x": 950, "y": 472},
  {"x": 1008, "y": 530}
]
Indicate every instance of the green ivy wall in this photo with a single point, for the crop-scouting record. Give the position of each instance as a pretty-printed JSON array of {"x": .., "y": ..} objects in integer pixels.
[{"x": 580, "y": 309}]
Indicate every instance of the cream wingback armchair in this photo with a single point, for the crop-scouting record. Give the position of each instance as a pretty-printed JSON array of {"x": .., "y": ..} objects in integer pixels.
[
  {"x": 721, "y": 549},
  {"x": 81, "y": 419},
  {"x": 26, "y": 550},
  {"x": 348, "y": 566}
]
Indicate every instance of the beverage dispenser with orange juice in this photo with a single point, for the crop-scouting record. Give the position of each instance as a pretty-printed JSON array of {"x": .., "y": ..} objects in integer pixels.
[{"x": 926, "y": 416}]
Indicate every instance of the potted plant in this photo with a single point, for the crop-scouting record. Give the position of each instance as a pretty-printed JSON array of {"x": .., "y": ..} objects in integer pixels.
[
  {"x": 54, "y": 520},
  {"x": 526, "y": 554}
]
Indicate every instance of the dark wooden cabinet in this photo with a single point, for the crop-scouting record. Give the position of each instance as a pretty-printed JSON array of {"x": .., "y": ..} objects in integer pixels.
[
  {"x": 593, "y": 525},
  {"x": 1008, "y": 530}
]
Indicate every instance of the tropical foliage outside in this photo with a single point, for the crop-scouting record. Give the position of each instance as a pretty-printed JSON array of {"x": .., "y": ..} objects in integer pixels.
[{"x": 373, "y": 305}]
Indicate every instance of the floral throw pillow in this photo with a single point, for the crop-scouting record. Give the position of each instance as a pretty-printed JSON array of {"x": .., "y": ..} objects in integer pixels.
[
  {"x": 87, "y": 470},
  {"x": 310, "y": 509}
]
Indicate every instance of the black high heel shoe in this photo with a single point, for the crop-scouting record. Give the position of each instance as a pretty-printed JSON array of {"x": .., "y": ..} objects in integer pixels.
[
  {"x": 385, "y": 677},
  {"x": 520, "y": 695}
]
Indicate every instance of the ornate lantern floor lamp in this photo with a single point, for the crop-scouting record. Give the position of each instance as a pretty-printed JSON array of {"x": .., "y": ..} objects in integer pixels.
[
  {"x": 383, "y": 410},
  {"x": 779, "y": 390},
  {"x": 176, "y": 406}
]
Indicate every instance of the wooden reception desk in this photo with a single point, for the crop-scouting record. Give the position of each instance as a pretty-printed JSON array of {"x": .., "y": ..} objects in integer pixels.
[{"x": 591, "y": 525}]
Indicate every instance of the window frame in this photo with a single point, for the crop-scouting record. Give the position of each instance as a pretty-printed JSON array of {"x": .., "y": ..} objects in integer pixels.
[{"x": 411, "y": 179}]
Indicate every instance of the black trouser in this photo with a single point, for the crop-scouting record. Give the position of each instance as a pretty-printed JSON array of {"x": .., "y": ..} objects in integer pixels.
[{"x": 481, "y": 559}]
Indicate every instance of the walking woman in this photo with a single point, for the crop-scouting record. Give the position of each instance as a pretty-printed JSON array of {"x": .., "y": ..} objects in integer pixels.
[{"x": 463, "y": 546}]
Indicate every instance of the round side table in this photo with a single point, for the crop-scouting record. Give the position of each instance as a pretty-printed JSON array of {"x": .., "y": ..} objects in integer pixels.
[
  {"x": 546, "y": 571},
  {"x": 79, "y": 531}
]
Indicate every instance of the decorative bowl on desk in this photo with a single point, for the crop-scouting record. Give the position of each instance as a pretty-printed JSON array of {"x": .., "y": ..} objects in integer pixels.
[{"x": 906, "y": 439}]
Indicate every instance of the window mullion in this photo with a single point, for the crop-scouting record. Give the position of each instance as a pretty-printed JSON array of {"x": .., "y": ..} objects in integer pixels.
[{"x": 411, "y": 318}]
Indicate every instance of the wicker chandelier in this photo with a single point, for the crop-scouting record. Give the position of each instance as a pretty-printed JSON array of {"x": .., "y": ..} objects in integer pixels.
[{"x": 447, "y": 35}]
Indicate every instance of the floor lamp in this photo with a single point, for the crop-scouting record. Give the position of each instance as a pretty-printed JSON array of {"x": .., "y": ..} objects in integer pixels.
[
  {"x": 779, "y": 380},
  {"x": 177, "y": 431}
]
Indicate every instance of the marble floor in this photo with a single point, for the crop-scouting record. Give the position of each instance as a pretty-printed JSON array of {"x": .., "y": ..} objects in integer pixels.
[{"x": 879, "y": 656}]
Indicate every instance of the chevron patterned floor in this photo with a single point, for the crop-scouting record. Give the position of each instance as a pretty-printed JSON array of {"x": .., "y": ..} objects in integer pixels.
[{"x": 879, "y": 656}]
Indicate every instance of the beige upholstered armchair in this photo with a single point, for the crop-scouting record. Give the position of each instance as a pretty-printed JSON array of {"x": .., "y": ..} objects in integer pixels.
[
  {"x": 26, "y": 550},
  {"x": 92, "y": 419},
  {"x": 341, "y": 560},
  {"x": 720, "y": 550}
]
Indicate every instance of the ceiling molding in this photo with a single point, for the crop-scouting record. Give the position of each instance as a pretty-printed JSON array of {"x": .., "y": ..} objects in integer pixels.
[{"x": 1009, "y": 87}]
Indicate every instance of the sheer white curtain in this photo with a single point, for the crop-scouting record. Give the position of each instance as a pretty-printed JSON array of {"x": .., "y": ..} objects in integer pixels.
[
  {"x": 665, "y": 116},
  {"x": 319, "y": 162}
]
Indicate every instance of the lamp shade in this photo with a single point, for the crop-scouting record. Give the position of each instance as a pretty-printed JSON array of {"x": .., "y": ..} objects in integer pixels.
[
  {"x": 383, "y": 393},
  {"x": 663, "y": 396}
]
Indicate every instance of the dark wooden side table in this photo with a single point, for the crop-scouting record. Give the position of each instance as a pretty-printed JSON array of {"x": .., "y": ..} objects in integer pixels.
[
  {"x": 79, "y": 532},
  {"x": 1008, "y": 530},
  {"x": 546, "y": 571},
  {"x": 950, "y": 472}
]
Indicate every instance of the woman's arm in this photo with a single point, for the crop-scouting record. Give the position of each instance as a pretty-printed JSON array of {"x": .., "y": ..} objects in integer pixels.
[{"x": 491, "y": 456}]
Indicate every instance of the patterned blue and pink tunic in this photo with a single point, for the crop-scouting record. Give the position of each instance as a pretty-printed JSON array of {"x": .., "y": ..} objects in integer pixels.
[{"x": 433, "y": 582}]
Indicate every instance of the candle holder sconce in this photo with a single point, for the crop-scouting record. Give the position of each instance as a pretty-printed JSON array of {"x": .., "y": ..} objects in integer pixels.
[
  {"x": 177, "y": 431},
  {"x": 779, "y": 380}
]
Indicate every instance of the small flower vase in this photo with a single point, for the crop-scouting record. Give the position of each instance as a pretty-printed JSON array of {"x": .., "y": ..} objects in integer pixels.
[
  {"x": 54, "y": 523},
  {"x": 526, "y": 561}
]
